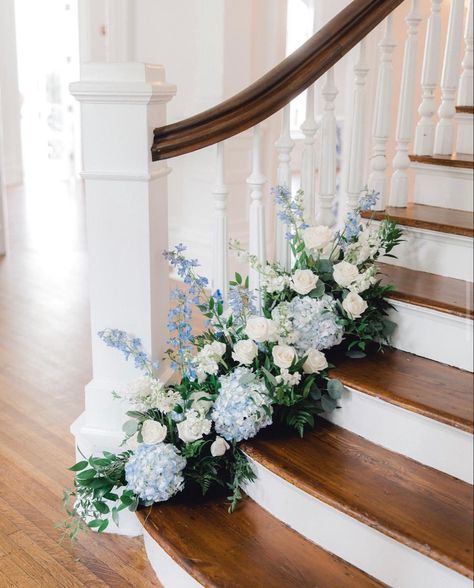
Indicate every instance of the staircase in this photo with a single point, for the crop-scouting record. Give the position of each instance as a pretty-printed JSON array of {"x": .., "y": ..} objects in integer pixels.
[{"x": 380, "y": 493}]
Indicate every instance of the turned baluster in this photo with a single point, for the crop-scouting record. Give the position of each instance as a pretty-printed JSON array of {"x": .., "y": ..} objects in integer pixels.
[
  {"x": 383, "y": 103},
  {"x": 466, "y": 82},
  {"x": 308, "y": 128},
  {"x": 355, "y": 170},
  {"x": 328, "y": 159},
  {"x": 444, "y": 136},
  {"x": 256, "y": 182},
  {"x": 284, "y": 146},
  {"x": 220, "y": 194},
  {"x": 425, "y": 129},
  {"x": 401, "y": 161}
]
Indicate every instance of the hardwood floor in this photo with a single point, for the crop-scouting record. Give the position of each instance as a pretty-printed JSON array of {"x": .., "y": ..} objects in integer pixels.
[{"x": 44, "y": 365}]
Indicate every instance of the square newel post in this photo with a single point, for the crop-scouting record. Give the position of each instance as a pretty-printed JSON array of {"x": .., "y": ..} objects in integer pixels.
[{"x": 127, "y": 231}]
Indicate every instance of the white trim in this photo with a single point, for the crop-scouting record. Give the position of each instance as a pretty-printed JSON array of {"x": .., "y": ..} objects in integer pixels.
[
  {"x": 170, "y": 574},
  {"x": 436, "y": 335},
  {"x": 126, "y": 176},
  {"x": 421, "y": 438},
  {"x": 447, "y": 187},
  {"x": 364, "y": 547}
]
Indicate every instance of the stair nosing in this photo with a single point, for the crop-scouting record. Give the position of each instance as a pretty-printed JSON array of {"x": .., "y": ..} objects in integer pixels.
[
  {"x": 406, "y": 539},
  {"x": 442, "y": 160}
]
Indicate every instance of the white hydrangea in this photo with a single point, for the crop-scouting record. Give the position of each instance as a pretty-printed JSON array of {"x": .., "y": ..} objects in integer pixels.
[
  {"x": 193, "y": 427},
  {"x": 366, "y": 247},
  {"x": 147, "y": 393},
  {"x": 272, "y": 281},
  {"x": 207, "y": 360},
  {"x": 365, "y": 280},
  {"x": 286, "y": 378}
]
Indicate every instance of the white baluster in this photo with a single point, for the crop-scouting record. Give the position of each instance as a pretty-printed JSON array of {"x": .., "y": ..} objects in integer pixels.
[
  {"x": 355, "y": 182},
  {"x": 256, "y": 182},
  {"x": 383, "y": 102},
  {"x": 425, "y": 129},
  {"x": 308, "y": 128},
  {"x": 444, "y": 137},
  {"x": 401, "y": 161},
  {"x": 328, "y": 162},
  {"x": 220, "y": 194},
  {"x": 466, "y": 82},
  {"x": 284, "y": 146}
]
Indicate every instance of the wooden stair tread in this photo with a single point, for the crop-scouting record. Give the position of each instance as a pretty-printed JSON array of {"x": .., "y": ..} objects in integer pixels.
[
  {"x": 433, "y": 218},
  {"x": 439, "y": 293},
  {"x": 465, "y": 109},
  {"x": 420, "y": 507},
  {"x": 245, "y": 549},
  {"x": 460, "y": 160},
  {"x": 423, "y": 386}
]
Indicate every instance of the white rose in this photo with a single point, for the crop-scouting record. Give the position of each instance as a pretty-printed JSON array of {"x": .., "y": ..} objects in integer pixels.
[
  {"x": 245, "y": 352},
  {"x": 200, "y": 401},
  {"x": 218, "y": 348},
  {"x": 219, "y": 447},
  {"x": 345, "y": 274},
  {"x": 330, "y": 252},
  {"x": 315, "y": 362},
  {"x": 261, "y": 329},
  {"x": 283, "y": 356},
  {"x": 153, "y": 432},
  {"x": 317, "y": 237},
  {"x": 303, "y": 281},
  {"x": 193, "y": 427},
  {"x": 354, "y": 305}
]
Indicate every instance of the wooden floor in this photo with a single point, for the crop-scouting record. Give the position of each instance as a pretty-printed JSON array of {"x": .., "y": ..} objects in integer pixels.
[{"x": 44, "y": 365}]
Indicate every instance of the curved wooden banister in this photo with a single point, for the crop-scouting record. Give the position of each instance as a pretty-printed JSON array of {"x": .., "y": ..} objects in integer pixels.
[{"x": 276, "y": 88}]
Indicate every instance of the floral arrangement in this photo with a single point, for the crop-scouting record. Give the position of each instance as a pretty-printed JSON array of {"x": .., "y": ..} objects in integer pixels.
[{"x": 264, "y": 358}]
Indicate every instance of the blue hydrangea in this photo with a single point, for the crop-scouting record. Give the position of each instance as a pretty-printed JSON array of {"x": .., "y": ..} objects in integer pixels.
[
  {"x": 243, "y": 406},
  {"x": 155, "y": 472},
  {"x": 314, "y": 323}
]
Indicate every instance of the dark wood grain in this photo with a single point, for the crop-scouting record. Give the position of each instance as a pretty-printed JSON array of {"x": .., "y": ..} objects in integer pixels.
[
  {"x": 44, "y": 365},
  {"x": 246, "y": 549},
  {"x": 429, "y": 388},
  {"x": 422, "y": 508},
  {"x": 429, "y": 290},
  {"x": 465, "y": 109},
  {"x": 278, "y": 87},
  {"x": 432, "y": 218},
  {"x": 460, "y": 160}
]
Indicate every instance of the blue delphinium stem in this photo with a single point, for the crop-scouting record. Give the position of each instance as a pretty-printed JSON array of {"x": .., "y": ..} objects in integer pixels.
[
  {"x": 179, "y": 326},
  {"x": 185, "y": 268},
  {"x": 291, "y": 211},
  {"x": 130, "y": 346}
]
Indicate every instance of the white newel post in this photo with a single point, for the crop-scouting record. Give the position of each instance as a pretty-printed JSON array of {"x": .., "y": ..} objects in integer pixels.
[
  {"x": 383, "y": 103},
  {"x": 401, "y": 161},
  {"x": 308, "y": 128},
  {"x": 328, "y": 155},
  {"x": 284, "y": 146},
  {"x": 425, "y": 129},
  {"x": 220, "y": 194},
  {"x": 256, "y": 182},
  {"x": 127, "y": 230},
  {"x": 444, "y": 137},
  {"x": 355, "y": 167},
  {"x": 466, "y": 83}
]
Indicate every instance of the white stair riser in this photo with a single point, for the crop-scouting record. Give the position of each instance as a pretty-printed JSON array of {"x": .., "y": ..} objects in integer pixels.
[
  {"x": 439, "y": 185},
  {"x": 169, "y": 573},
  {"x": 364, "y": 547},
  {"x": 464, "y": 142},
  {"x": 436, "y": 335},
  {"x": 435, "y": 253},
  {"x": 425, "y": 440}
]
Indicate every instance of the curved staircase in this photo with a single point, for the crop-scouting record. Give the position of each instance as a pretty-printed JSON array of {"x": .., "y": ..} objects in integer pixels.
[{"x": 380, "y": 493}]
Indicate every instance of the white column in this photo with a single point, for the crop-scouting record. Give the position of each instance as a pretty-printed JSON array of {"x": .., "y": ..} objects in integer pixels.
[
  {"x": 328, "y": 155},
  {"x": 444, "y": 136},
  {"x": 220, "y": 194},
  {"x": 466, "y": 82},
  {"x": 10, "y": 112},
  {"x": 256, "y": 182},
  {"x": 308, "y": 128},
  {"x": 381, "y": 125},
  {"x": 3, "y": 195},
  {"x": 127, "y": 231},
  {"x": 284, "y": 146},
  {"x": 401, "y": 161},
  {"x": 425, "y": 129},
  {"x": 120, "y": 30},
  {"x": 355, "y": 167}
]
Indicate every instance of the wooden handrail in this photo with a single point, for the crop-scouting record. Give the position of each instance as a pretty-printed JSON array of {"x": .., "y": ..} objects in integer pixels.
[{"x": 276, "y": 88}]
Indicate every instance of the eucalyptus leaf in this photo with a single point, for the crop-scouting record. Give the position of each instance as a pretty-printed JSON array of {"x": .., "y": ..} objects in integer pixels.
[
  {"x": 130, "y": 427},
  {"x": 328, "y": 404},
  {"x": 335, "y": 389}
]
